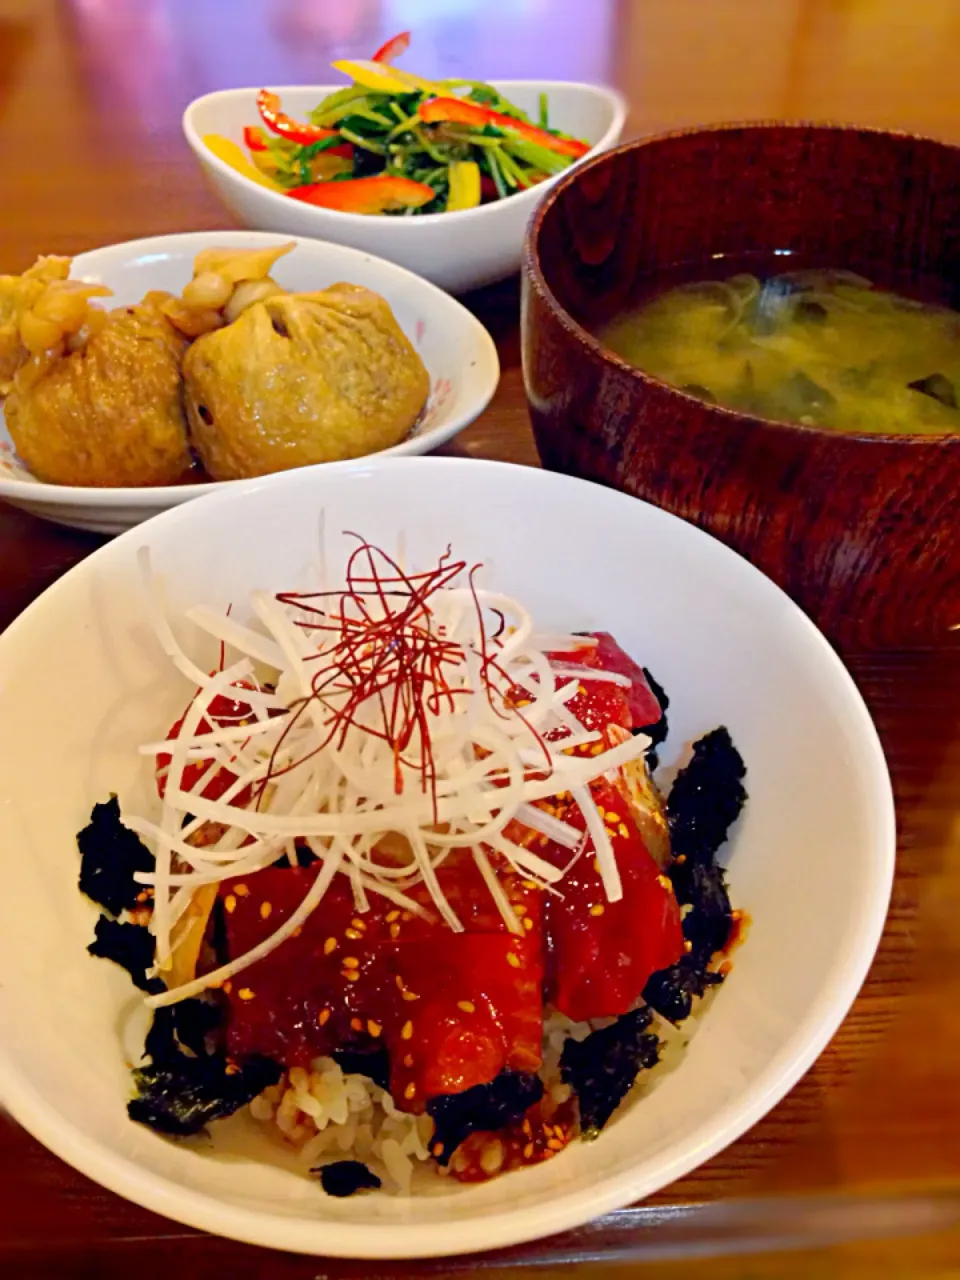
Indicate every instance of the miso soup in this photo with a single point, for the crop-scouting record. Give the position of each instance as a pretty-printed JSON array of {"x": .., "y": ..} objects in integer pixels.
[{"x": 823, "y": 348}]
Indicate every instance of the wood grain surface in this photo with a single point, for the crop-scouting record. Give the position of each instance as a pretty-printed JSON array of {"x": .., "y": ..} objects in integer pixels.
[
  {"x": 860, "y": 530},
  {"x": 868, "y": 1144}
]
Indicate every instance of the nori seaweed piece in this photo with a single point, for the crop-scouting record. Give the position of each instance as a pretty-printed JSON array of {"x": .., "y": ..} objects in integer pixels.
[
  {"x": 375, "y": 1064},
  {"x": 185, "y": 1025},
  {"x": 180, "y": 1097},
  {"x": 657, "y": 731},
  {"x": 670, "y": 992},
  {"x": 707, "y": 929},
  {"x": 346, "y": 1178},
  {"x": 131, "y": 946},
  {"x": 602, "y": 1068},
  {"x": 110, "y": 853},
  {"x": 937, "y": 387},
  {"x": 484, "y": 1108},
  {"x": 706, "y": 798}
]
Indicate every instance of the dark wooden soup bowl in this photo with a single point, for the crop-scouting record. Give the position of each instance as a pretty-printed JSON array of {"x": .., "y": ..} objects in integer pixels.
[{"x": 862, "y": 530}]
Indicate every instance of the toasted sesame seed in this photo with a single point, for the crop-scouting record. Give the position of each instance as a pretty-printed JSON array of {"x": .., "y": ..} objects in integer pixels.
[
  {"x": 241, "y": 890},
  {"x": 548, "y": 1130},
  {"x": 323, "y": 1017},
  {"x": 528, "y": 1151},
  {"x": 437, "y": 1148},
  {"x": 399, "y": 981},
  {"x": 596, "y": 749},
  {"x": 297, "y": 932},
  {"x": 265, "y": 909},
  {"x": 519, "y": 909},
  {"x": 351, "y": 962},
  {"x": 246, "y": 994},
  {"x": 597, "y": 909},
  {"x": 596, "y": 865},
  {"x": 528, "y": 924},
  {"x": 391, "y": 916},
  {"x": 407, "y": 1031},
  {"x": 230, "y": 904},
  {"x": 664, "y": 882},
  {"x": 358, "y": 923},
  {"x": 410, "y": 1091},
  {"x": 513, "y": 959},
  {"x": 555, "y": 1145},
  {"x": 351, "y": 975},
  {"x": 527, "y": 1128},
  {"x": 227, "y": 985},
  {"x": 231, "y": 1069},
  {"x": 374, "y": 1027},
  {"x": 356, "y": 1024},
  {"x": 410, "y": 995},
  {"x": 467, "y": 1006},
  {"x": 329, "y": 946},
  {"x": 530, "y": 884},
  {"x": 406, "y": 915},
  {"x": 624, "y": 830},
  {"x": 352, "y": 934},
  {"x": 408, "y": 1060},
  {"x": 680, "y": 859},
  {"x": 687, "y": 945},
  {"x": 394, "y": 931}
]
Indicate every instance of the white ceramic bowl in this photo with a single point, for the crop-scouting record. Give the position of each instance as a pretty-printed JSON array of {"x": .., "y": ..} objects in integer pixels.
[
  {"x": 811, "y": 860},
  {"x": 457, "y": 251},
  {"x": 457, "y": 350}
]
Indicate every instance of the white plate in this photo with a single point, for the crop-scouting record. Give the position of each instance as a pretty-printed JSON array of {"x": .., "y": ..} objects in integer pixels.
[
  {"x": 457, "y": 350},
  {"x": 812, "y": 860},
  {"x": 458, "y": 251}
]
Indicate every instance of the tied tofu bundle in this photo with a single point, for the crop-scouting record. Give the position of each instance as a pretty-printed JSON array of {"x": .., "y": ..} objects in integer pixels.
[{"x": 237, "y": 376}]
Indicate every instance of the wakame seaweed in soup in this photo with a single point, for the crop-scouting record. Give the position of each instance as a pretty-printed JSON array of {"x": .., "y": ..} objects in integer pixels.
[{"x": 823, "y": 348}]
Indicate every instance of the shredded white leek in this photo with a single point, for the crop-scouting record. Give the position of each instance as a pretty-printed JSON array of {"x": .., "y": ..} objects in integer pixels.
[{"x": 313, "y": 765}]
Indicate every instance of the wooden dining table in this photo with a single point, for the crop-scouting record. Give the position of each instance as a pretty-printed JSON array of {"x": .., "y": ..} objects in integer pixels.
[{"x": 857, "y": 1171}]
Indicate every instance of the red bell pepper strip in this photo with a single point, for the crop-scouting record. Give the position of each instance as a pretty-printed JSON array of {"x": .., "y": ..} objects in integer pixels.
[
  {"x": 254, "y": 138},
  {"x": 393, "y": 48},
  {"x": 461, "y": 111},
  {"x": 277, "y": 121},
  {"x": 365, "y": 195}
]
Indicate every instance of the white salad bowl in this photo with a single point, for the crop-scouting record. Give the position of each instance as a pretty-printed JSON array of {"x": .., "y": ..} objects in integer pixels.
[
  {"x": 459, "y": 354},
  {"x": 458, "y": 251},
  {"x": 811, "y": 860}
]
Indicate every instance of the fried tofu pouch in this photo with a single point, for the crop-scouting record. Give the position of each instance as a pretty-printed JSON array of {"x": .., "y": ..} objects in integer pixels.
[
  {"x": 109, "y": 413},
  {"x": 302, "y": 378}
]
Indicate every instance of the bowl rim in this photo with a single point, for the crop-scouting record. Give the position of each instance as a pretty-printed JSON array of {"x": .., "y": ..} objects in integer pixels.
[
  {"x": 532, "y": 273},
  {"x": 487, "y": 357},
  {"x": 566, "y": 1210},
  {"x": 459, "y": 217}
]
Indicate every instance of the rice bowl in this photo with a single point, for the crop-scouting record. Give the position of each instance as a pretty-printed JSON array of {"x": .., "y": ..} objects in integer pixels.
[{"x": 733, "y": 649}]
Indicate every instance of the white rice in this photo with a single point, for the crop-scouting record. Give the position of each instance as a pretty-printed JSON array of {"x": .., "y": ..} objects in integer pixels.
[{"x": 328, "y": 1116}]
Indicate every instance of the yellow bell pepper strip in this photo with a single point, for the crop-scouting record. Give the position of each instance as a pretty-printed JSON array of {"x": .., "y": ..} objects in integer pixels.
[
  {"x": 277, "y": 121},
  {"x": 377, "y": 194},
  {"x": 464, "y": 185},
  {"x": 232, "y": 154},
  {"x": 380, "y": 78},
  {"x": 392, "y": 48},
  {"x": 254, "y": 138},
  {"x": 461, "y": 111}
]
